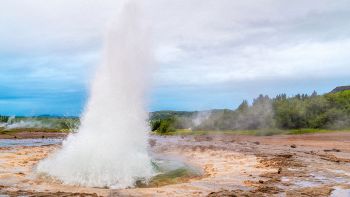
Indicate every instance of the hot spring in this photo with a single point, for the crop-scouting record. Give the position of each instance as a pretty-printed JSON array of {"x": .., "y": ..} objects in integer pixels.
[{"x": 110, "y": 147}]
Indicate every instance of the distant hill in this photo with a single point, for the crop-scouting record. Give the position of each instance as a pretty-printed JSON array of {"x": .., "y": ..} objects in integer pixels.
[
  {"x": 165, "y": 114},
  {"x": 340, "y": 89},
  {"x": 168, "y": 113}
]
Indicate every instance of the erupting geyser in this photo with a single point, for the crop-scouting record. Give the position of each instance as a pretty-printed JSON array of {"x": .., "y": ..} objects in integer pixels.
[{"x": 110, "y": 148}]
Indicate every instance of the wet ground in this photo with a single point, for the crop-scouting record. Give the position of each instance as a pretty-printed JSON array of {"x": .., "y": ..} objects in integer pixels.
[
  {"x": 30, "y": 142},
  {"x": 231, "y": 165}
]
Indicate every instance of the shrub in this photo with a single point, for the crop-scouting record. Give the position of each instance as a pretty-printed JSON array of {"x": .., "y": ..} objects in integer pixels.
[{"x": 163, "y": 126}]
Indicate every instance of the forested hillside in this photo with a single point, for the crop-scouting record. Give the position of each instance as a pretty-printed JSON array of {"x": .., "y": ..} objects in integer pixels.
[{"x": 328, "y": 111}]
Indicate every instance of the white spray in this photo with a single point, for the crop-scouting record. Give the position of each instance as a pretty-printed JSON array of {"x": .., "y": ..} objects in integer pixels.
[{"x": 110, "y": 148}]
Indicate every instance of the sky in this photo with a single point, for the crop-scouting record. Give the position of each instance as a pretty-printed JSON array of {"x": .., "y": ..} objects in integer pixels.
[{"x": 209, "y": 53}]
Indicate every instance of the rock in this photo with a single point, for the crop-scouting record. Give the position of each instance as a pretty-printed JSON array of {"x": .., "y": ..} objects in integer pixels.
[
  {"x": 334, "y": 158},
  {"x": 311, "y": 191},
  {"x": 293, "y": 146},
  {"x": 257, "y": 143},
  {"x": 267, "y": 190},
  {"x": 152, "y": 142},
  {"x": 285, "y": 155},
  {"x": 223, "y": 193},
  {"x": 331, "y": 150},
  {"x": 235, "y": 193},
  {"x": 261, "y": 181},
  {"x": 279, "y": 170}
]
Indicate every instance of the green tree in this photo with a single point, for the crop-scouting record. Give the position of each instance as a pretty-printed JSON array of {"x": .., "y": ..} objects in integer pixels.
[
  {"x": 243, "y": 107},
  {"x": 155, "y": 124},
  {"x": 166, "y": 126}
]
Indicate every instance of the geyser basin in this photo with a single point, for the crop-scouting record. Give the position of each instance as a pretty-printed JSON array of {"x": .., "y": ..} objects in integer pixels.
[{"x": 166, "y": 170}]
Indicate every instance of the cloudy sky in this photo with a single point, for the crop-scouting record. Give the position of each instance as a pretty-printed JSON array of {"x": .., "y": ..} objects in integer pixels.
[{"x": 209, "y": 53}]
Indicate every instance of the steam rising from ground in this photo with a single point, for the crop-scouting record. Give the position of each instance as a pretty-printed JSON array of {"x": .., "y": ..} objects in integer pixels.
[
  {"x": 26, "y": 124},
  {"x": 260, "y": 115},
  {"x": 110, "y": 148},
  {"x": 12, "y": 123},
  {"x": 200, "y": 117}
]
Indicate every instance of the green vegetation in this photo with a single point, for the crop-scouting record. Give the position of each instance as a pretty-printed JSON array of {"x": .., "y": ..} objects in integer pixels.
[
  {"x": 38, "y": 124},
  {"x": 172, "y": 177},
  {"x": 4, "y": 118},
  {"x": 163, "y": 126},
  {"x": 266, "y": 116},
  {"x": 168, "y": 176},
  {"x": 16, "y": 130}
]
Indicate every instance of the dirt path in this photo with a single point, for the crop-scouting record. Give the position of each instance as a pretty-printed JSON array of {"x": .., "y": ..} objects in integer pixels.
[
  {"x": 303, "y": 165},
  {"x": 32, "y": 135}
]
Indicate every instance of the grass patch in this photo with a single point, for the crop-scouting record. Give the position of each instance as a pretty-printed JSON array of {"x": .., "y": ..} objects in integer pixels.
[
  {"x": 46, "y": 130},
  {"x": 262, "y": 132},
  {"x": 204, "y": 132},
  {"x": 306, "y": 131}
]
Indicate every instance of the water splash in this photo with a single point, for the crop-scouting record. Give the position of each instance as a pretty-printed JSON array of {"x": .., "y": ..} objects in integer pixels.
[{"x": 110, "y": 148}]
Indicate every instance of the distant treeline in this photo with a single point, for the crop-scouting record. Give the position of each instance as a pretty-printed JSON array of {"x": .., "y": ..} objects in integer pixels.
[
  {"x": 329, "y": 111},
  {"x": 4, "y": 118}
]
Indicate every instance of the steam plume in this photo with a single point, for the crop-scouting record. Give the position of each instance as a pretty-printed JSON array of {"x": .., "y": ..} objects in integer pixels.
[{"x": 110, "y": 148}]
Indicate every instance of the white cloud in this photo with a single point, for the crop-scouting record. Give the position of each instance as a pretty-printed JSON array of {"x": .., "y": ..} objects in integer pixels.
[{"x": 197, "y": 42}]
